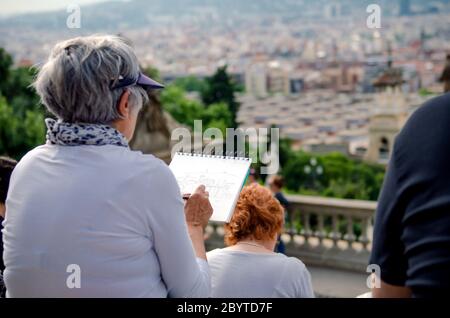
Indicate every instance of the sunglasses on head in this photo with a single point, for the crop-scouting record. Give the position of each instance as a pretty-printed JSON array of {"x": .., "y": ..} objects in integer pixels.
[{"x": 140, "y": 79}]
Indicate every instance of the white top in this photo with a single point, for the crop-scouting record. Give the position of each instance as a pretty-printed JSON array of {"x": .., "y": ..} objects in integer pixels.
[
  {"x": 239, "y": 274},
  {"x": 116, "y": 213}
]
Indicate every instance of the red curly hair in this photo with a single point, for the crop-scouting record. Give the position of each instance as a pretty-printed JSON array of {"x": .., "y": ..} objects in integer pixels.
[{"x": 258, "y": 215}]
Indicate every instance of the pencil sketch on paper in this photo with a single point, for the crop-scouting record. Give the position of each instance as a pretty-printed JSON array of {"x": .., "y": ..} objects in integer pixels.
[{"x": 223, "y": 179}]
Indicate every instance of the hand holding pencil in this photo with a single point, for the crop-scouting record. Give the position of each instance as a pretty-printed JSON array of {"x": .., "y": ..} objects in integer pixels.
[{"x": 198, "y": 209}]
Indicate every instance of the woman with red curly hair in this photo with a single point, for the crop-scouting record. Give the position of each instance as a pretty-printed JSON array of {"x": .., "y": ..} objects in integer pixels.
[{"x": 248, "y": 267}]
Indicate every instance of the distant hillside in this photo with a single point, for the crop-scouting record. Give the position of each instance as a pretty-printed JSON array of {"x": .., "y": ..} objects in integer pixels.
[{"x": 142, "y": 13}]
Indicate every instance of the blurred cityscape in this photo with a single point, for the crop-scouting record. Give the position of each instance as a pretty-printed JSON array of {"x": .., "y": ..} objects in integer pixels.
[{"x": 307, "y": 67}]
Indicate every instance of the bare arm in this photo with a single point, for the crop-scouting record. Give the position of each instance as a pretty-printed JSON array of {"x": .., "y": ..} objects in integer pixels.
[
  {"x": 175, "y": 231},
  {"x": 391, "y": 291},
  {"x": 198, "y": 210},
  {"x": 196, "y": 234}
]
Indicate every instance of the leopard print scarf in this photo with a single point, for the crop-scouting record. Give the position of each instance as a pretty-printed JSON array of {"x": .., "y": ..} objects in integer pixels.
[{"x": 76, "y": 134}]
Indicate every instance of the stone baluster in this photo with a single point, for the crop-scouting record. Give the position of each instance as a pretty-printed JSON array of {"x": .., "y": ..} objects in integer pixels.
[
  {"x": 334, "y": 234},
  {"x": 364, "y": 239},
  {"x": 320, "y": 233},
  {"x": 214, "y": 232},
  {"x": 291, "y": 230},
  {"x": 306, "y": 231},
  {"x": 350, "y": 235}
]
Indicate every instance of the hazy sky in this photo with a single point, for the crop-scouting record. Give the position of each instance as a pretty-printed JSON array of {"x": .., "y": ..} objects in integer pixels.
[{"x": 8, "y": 7}]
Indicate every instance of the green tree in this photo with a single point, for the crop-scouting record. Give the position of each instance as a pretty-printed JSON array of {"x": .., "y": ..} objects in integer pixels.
[
  {"x": 191, "y": 84},
  {"x": 217, "y": 116},
  {"x": 19, "y": 134},
  {"x": 20, "y": 94},
  {"x": 21, "y": 117},
  {"x": 181, "y": 108},
  {"x": 221, "y": 88},
  {"x": 285, "y": 151},
  {"x": 185, "y": 110},
  {"x": 342, "y": 177},
  {"x": 6, "y": 63},
  {"x": 8, "y": 127}
]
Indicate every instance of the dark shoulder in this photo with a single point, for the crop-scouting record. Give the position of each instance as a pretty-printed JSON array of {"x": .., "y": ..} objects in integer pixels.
[
  {"x": 425, "y": 136},
  {"x": 439, "y": 103},
  {"x": 431, "y": 116},
  {"x": 280, "y": 197}
]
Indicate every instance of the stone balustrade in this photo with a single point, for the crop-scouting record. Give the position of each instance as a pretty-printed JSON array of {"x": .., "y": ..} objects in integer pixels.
[{"x": 328, "y": 232}]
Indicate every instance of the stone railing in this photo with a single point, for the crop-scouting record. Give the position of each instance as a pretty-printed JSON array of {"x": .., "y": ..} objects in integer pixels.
[{"x": 328, "y": 232}]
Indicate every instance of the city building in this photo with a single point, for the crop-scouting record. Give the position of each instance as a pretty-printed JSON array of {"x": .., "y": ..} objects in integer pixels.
[
  {"x": 389, "y": 116},
  {"x": 278, "y": 81},
  {"x": 256, "y": 80}
]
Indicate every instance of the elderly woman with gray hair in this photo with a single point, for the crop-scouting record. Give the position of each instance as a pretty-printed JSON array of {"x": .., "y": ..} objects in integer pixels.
[{"x": 86, "y": 216}]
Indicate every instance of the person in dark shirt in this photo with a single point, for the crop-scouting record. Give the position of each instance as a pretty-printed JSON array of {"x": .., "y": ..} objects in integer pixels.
[
  {"x": 275, "y": 185},
  {"x": 411, "y": 239},
  {"x": 252, "y": 177},
  {"x": 6, "y": 167}
]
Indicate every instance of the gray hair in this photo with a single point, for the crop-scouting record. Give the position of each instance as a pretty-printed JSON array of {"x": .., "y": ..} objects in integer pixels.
[{"x": 75, "y": 82}]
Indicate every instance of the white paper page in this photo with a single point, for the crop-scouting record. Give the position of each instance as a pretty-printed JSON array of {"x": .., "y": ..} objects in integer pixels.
[{"x": 222, "y": 177}]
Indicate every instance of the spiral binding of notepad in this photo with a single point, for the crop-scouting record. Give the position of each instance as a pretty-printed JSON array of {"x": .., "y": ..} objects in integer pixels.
[{"x": 228, "y": 155}]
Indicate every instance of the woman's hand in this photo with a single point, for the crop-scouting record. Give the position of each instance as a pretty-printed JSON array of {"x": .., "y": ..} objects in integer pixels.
[{"x": 198, "y": 209}]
